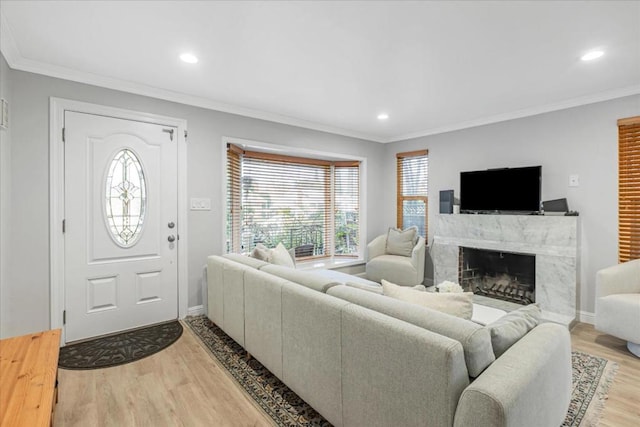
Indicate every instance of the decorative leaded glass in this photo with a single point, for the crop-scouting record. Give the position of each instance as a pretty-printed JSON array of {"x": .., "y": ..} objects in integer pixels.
[{"x": 126, "y": 198}]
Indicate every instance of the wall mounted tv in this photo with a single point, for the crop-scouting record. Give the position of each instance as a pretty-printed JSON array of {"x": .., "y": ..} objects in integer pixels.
[{"x": 506, "y": 190}]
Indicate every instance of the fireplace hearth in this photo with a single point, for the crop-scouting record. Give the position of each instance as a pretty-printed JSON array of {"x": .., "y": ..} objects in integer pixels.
[{"x": 501, "y": 275}]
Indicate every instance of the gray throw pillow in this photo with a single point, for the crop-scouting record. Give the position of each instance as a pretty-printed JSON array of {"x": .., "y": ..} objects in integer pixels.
[
  {"x": 507, "y": 330},
  {"x": 401, "y": 242}
]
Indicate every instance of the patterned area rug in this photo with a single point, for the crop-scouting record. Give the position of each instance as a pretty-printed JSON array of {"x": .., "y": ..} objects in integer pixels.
[
  {"x": 120, "y": 348},
  {"x": 592, "y": 377}
]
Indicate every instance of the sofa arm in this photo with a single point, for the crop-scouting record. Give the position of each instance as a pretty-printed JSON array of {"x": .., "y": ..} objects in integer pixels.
[
  {"x": 619, "y": 279},
  {"x": 376, "y": 247},
  {"x": 528, "y": 386},
  {"x": 417, "y": 258}
]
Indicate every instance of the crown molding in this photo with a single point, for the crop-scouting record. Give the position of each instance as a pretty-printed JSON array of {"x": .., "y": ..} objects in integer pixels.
[
  {"x": 8, "y": 45},
  {"x": 527, "y": 112},
  {"x": 16, "y": 61}
]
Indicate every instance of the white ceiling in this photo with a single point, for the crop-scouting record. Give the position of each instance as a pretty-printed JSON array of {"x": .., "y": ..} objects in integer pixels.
[{"x": 432, "y": 66}]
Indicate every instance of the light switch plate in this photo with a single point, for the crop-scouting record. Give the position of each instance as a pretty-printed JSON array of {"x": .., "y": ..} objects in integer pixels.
[
  {"x": 200, "y": 204},
  {"x": 574, "y": 181}
]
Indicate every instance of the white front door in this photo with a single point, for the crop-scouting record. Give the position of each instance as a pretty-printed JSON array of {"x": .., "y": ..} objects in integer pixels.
[{"x": 120, "y": 191}]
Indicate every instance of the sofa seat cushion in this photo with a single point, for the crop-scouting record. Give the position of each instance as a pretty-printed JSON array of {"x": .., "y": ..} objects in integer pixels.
[
  {"x": 616, "y": 316},
  {"x": 475, "y": 339},
  {"x": 305, "y": 278}
]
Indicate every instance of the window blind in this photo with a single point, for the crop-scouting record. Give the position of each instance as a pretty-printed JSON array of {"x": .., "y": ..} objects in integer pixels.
[
  {"x": 412, "y": 190},
  {"x": 629, "y": 189},
  {"x": 234, "y": 203},
  {"x": 347, "y": 208},
  {"x": 310, "y": 205}
]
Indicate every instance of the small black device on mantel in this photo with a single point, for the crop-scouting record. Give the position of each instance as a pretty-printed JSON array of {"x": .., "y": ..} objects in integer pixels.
[
  {"x": 557, "y": 205},
  {"x": 446, "y": 201},
  {"x": 508, "y": 190}
]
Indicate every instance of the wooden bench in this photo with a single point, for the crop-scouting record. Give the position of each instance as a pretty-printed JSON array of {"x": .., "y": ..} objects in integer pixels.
[{"x": 28, "y": 385}]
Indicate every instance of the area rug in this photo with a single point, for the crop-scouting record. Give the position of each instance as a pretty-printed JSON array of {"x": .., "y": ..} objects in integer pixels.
[
  {"x": 592, "y": 377},
  {"x": 121, "y": 348}
]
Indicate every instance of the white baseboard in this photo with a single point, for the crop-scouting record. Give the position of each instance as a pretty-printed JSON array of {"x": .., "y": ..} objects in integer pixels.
[
  {"x": 195, "y": 310},
  {"x": 586, "y": 317}
]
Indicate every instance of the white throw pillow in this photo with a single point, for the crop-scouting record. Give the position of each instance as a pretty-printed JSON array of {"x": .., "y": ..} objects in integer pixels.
[
  {"x": 401, "y": 242},
  {"x": 459, "y": 304},
  {"x": 508, "y": 329},
  {"x": 261, "y": 252},
  {"x": 280, "y": 256}
]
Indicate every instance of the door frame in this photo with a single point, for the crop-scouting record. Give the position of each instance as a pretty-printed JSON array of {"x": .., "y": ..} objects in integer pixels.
[{"x": 57, "y": 108}]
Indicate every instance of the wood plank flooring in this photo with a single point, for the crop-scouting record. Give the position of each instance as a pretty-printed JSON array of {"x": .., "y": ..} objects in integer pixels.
[{"x": 183, "y": 386}]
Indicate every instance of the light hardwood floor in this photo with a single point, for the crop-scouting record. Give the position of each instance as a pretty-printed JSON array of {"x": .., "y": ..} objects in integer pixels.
[{"x": 183, "y": 386}]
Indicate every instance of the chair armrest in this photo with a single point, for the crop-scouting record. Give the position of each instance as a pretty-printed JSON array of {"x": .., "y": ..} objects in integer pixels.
[
  {"x": 528, "y": 386},
  {"x": 619, "y": 279},
  {"x": 417, "y": 258},
  {"x": 376, "y": 247}
]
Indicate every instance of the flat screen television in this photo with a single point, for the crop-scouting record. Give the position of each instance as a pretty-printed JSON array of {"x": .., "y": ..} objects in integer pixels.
[{"x": 501, "y": 190}]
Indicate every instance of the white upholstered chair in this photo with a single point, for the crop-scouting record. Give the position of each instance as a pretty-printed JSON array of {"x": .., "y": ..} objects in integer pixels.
[
  {"x": 618, "y": 303},
  {"x": 398, "y": 269}
]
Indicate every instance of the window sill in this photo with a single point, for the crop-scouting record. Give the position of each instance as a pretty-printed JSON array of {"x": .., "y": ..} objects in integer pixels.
[{"x": 329, "y": 263}]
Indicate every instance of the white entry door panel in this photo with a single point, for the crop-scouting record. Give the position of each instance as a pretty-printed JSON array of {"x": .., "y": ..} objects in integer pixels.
[{"x": 120, "y": 225}]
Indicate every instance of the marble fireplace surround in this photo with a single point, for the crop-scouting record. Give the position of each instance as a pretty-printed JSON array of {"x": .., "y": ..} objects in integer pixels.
[{"x": 552, "y": 239}]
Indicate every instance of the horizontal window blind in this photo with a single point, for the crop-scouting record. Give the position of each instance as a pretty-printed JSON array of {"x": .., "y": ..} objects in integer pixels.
[
  {"x": 347, "y": 208},
  {"x": 412, "y": 170},
  {"x": 234, "y": 203},
  {"x": 311, "y": 205},
  {"x": 629, "y": 189}
]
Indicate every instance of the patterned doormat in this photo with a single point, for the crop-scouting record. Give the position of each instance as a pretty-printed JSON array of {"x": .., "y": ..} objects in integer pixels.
[
  {"x": 592, "y": 377},
  {"x": 121, "y": 348}
]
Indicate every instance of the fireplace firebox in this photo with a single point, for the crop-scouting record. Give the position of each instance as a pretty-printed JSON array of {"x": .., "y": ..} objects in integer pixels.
[{"x": 502, "y": 275}]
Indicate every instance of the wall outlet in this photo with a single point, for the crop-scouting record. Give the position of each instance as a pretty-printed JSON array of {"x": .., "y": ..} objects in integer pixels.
[
  {"x": 200, "y": 204},
  {"x": 574, "y": 181}
]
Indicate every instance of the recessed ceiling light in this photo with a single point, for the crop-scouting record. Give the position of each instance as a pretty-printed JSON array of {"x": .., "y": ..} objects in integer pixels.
[
  {"x": 590, "y": 56},
  {"x": 189, "y": 58},
  {"x": 383, "y": 116}
]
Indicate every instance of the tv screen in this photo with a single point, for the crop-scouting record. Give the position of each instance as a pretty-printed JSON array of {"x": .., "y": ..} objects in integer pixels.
[{"x": 501, "y": 190}]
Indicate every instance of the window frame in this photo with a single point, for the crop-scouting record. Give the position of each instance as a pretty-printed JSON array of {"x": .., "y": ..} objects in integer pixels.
[
  {"x": 312, "y": 156},
  {"x": 401, "y": 198}
]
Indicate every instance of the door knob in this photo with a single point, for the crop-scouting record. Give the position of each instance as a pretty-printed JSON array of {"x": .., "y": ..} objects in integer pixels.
[
  {"x": 171, "y": 224},
  {"x": 171, "y": 238}
]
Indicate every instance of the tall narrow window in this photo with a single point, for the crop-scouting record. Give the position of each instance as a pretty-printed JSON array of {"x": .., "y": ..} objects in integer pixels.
[
  {"x": 412, "y": 190},
  {"x": 310, "y": 205},
  {"x": 347, "y": 208},
  {"x": 629, "y": 189}
]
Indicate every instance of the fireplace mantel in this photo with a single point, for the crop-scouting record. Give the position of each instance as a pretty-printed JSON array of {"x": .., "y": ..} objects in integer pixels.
[{"x": 553, "y": 239}]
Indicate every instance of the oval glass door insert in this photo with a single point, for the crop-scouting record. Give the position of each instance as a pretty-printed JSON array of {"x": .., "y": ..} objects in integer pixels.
[{"x": 126, "y": 198}]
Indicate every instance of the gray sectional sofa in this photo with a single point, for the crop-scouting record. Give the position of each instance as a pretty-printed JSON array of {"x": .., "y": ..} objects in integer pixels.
[{"x": 362, "y": 359}]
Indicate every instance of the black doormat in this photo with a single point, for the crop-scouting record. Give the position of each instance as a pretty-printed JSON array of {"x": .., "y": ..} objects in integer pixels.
[{"x": 121, "y": 348}]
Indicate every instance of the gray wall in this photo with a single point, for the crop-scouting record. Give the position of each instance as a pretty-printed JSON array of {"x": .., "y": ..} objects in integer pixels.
[
  {"x": 28, "y": 284},
  {"x": 5, "y": 197},
  {"x": 581, "y": 140}
]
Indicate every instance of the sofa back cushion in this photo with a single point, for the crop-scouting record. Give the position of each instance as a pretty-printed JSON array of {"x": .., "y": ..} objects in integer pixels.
[
  {"x": 475, "y": 340},
  {"x": 397, "y": 374},
  {"x": 304, "y": 278},
  {"x": 246, "y": 260}
]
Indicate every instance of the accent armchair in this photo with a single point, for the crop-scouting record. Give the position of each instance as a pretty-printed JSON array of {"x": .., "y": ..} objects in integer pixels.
[
  {"x": 398, "y": 269},
  {"x": 618, "y": 303}
]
